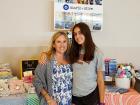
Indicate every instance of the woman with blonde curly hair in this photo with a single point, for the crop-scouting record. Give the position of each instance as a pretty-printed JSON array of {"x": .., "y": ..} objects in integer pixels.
[{"x": 53, "y": 79}]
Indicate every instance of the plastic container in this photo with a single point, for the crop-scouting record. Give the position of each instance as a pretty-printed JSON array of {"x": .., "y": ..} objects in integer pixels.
[
  {"x": 122, "y": 82},
  {"x": 112, "y": 67}
]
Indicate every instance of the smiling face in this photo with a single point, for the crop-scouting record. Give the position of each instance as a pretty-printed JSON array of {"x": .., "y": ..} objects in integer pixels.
[
  {"x": 78, "y": 36},
  {"x": 60, "y": 44}
]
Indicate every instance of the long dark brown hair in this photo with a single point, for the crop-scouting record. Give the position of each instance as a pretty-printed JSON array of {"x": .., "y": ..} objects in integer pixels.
[{"x": 88, "y": 44}]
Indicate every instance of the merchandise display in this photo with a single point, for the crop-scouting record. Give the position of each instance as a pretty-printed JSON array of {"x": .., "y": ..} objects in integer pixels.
[
  {"x": 27, "y": 76},
  {"x": 16, "y": 87},
  {"x": 29, "y": 88},
  {"x": 10, "y": 85},
  {"x": 17, "y": 92},
  {"x": 14, "y": 91},
  {"x": 124, "y": 75},
  {"x": 115, "y": 89},
  {"x": 5, "y": 71},
  {"x": 4, "y": 90}
]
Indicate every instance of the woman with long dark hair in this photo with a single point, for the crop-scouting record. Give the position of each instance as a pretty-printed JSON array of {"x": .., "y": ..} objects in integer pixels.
[{"x": 88, "y": 66}]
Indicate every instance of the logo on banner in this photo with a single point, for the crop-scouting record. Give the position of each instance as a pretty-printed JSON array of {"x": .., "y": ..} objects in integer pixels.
[{"x": 66, "y": 7}]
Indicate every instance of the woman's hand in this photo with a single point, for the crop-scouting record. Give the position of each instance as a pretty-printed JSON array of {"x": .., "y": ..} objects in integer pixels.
[{"x": 51, "y": 102}]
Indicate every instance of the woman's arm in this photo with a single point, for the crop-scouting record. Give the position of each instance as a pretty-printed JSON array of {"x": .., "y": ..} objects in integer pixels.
[
  {"x": 39, "y": 80},
  {"x": 40, "y": 84},
  {"x": 101, "y": 86}
]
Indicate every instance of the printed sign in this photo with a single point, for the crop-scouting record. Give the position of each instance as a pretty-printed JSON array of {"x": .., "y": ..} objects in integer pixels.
[
  {"x": 67, "y": 14},
  {"x": 28, "y": 65}
]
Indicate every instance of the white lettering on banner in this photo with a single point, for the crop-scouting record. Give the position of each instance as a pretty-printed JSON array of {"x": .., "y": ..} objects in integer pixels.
[
  {"x": 66, "y": 7},
  {"x": 76, "y": 8},
  {"x": 88, "y": 8},
  {"x": 81, "y": 8}
]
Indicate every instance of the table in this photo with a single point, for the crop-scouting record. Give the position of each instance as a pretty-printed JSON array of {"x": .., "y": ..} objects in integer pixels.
[
  {"x": 24, "y": 99},
  {"x": 132, "y": 97},
  {"x": 13, "y": 100}
]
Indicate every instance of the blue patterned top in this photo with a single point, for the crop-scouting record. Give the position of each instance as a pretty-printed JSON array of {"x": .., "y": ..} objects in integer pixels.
[{"x": 62, "y": 83}]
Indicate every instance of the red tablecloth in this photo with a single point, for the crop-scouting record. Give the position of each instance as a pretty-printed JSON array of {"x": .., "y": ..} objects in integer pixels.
[{"x": 130, "y": 98}]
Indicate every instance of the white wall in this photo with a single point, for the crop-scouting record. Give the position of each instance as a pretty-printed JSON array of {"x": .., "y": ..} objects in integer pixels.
[
  {"x": 29, "y": 23},
  {"x": 25, "y": 22},
  {"x": 121, "y": 24},
  {"x": 120, "y": 36}
]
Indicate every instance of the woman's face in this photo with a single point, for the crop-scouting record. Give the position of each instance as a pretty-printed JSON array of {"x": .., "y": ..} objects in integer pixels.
[
  {"x": 78, "y": 36},
  {"x": 60, "y": 44}
]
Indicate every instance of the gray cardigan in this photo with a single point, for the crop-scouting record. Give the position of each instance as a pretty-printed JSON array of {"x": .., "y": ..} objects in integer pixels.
[{"x": 43, "y": 79}]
